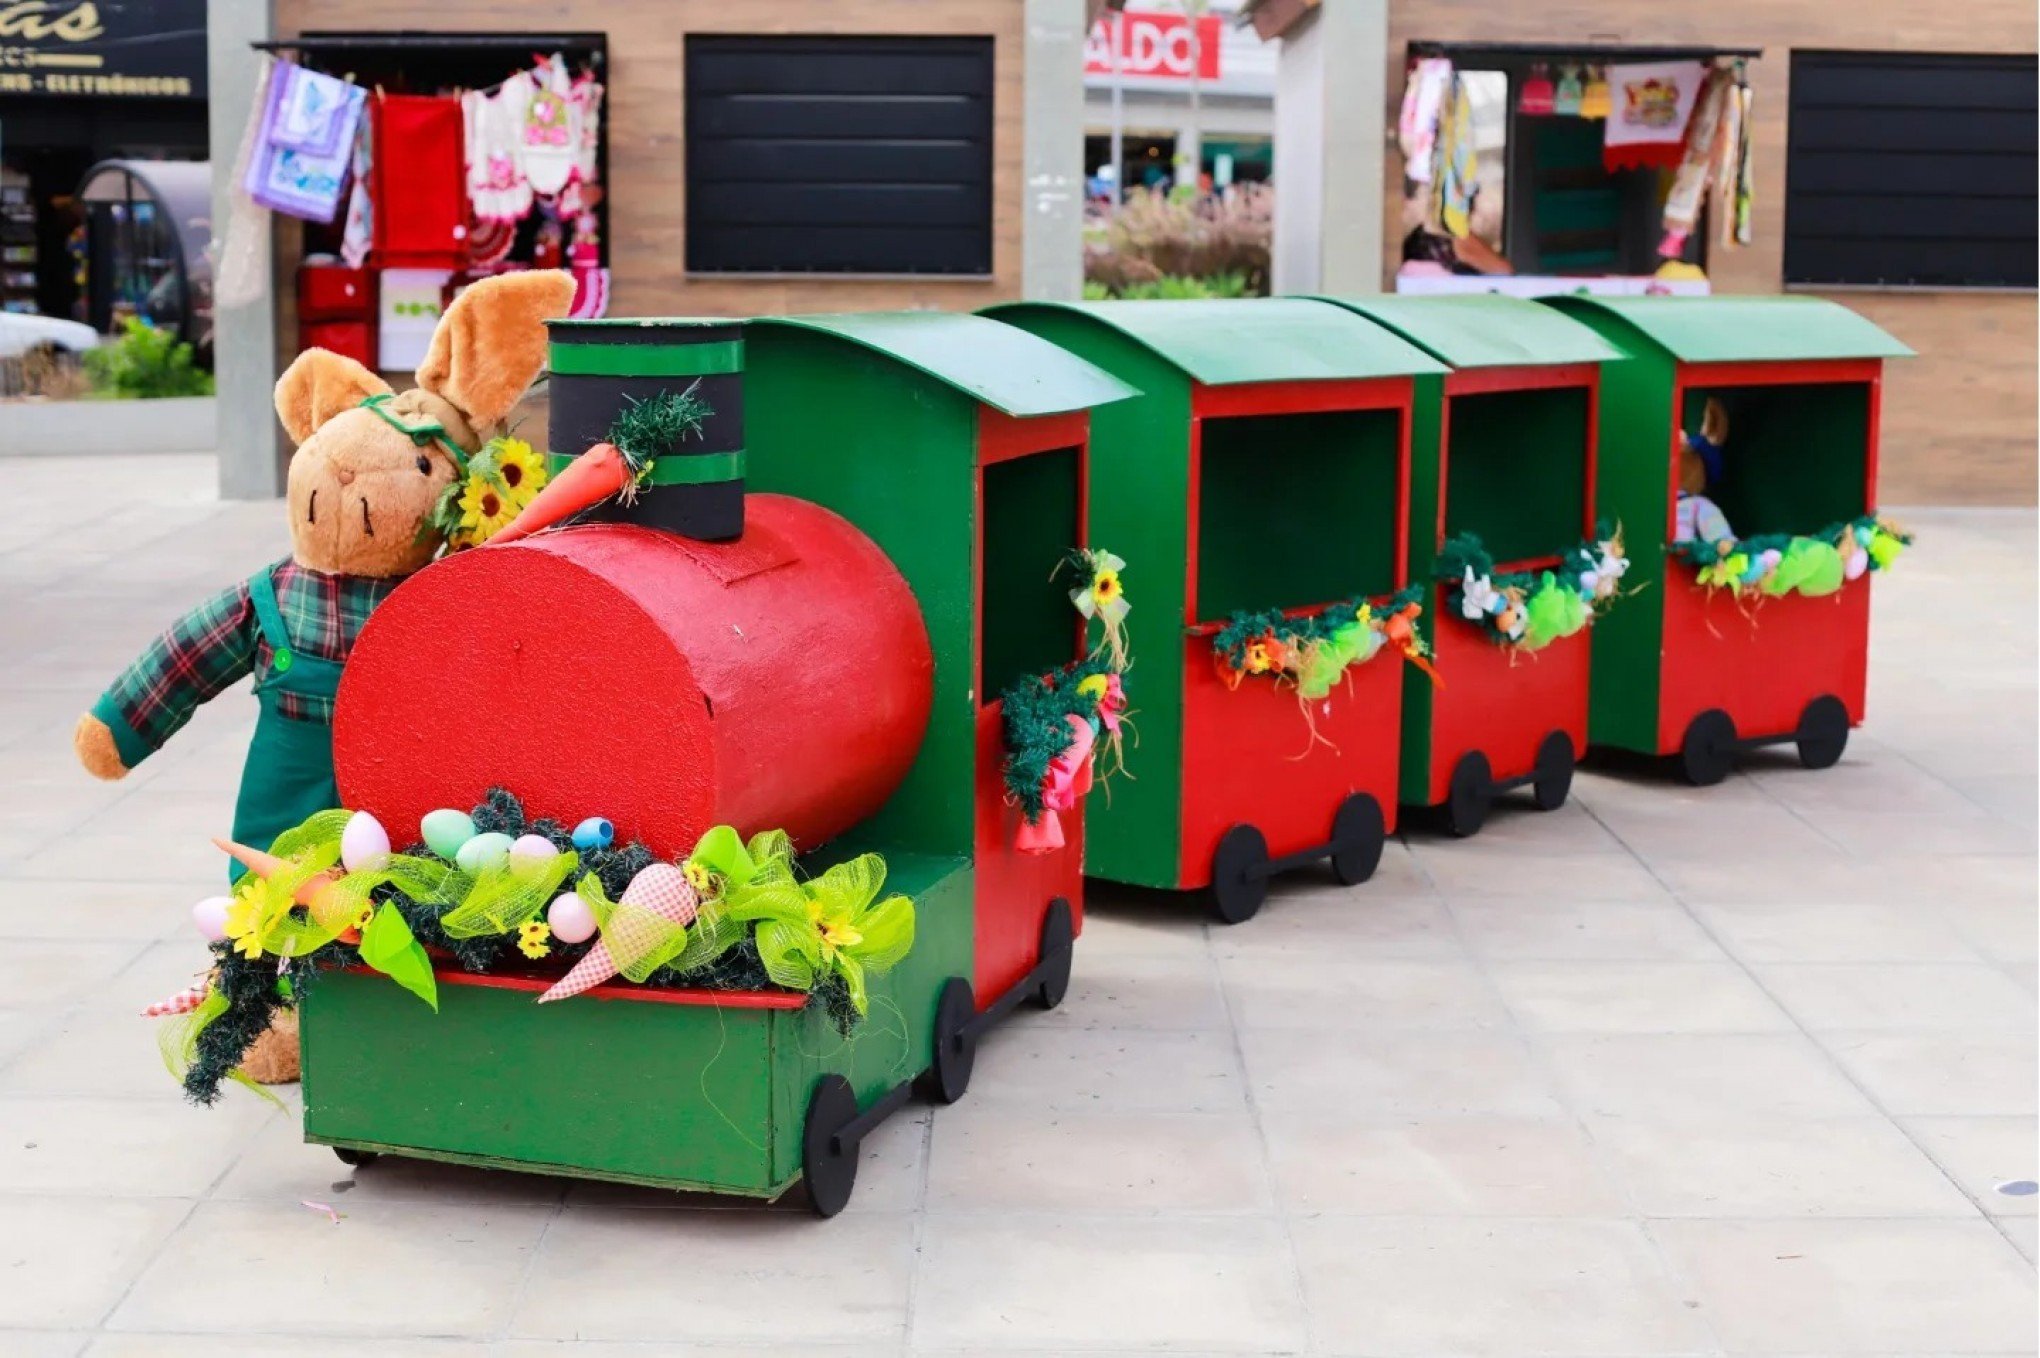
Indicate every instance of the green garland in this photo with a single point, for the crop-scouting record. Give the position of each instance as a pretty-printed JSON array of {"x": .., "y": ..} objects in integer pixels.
[
  {"x": 1315, "y": 651},
  {"x": 1036, "y": 712},
  {"x": 1787, "y": 563},
  {"x": 1531, "y": 609},
  {"x": 1242, "y": 628}
]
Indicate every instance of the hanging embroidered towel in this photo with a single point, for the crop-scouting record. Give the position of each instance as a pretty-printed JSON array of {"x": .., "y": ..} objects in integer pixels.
[
  {"x": 547, "y": 150},
  {"x": 1594, "y": 98},
  {"x": 1565, "y": 100},
  {"x": 421, "y": 204},
  {"x": 357, "y": 237},
  {"x": 1537, "y": 95},
  {"x": 1650, "y": 103},
  {"x": 496, "y": 187},
  {"x": 1458, "y": 170},
  {"x": 1696, "y": 167},
  {"x": 304, "y": 144},
  {"x": 1430, "y": 80},
  {"x": 585, "y": 110}
]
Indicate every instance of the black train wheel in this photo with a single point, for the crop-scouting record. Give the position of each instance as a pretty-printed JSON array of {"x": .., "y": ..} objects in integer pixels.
[
  {"x": 1058, "y": 951},
  {"x": 1823, "y": 732},
  {"x": 955, "y": 1048},
  {"x": 1239, "y": 877},
  {"x": 1358, "y": 833},
  {"x": 827, "y": 1162},
  {"x": 1707, "y": 752},
  {"x": 1551, "y": 780},
  {"x": 1469, "y": 795},
  {"x": 347, "y": 1155}
]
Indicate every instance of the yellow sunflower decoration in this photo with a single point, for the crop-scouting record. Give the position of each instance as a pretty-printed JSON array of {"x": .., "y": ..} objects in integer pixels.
[{"x": 501, "y": 479}]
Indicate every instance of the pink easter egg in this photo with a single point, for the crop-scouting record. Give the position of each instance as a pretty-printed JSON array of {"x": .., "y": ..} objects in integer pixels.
[
  {"x": 210, "y": 915},
  {"x": 533, "y": 849},
  {"x": 364, "y": 844},
  {"x": 570, "y": 918}
]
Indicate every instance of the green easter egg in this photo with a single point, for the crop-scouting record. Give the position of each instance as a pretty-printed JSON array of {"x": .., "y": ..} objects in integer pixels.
[
  {"x": 483, "y": 851},
  {"x": 444, "y": 831}
]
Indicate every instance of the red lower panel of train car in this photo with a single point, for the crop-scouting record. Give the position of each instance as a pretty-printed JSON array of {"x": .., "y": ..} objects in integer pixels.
[
  {"x": 1013, "y": 888},
  {"x": 1250, "y": 758},
  {"x": 1761, "y": 664}
]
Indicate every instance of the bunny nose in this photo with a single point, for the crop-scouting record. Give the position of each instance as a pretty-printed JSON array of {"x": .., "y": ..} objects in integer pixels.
[{"x": 344, "y": 477}]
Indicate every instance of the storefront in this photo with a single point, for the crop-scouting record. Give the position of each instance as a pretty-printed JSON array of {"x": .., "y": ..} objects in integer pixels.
[
  {"x": 1177, "y": 89},
  {"x": 84, "y": 81}
]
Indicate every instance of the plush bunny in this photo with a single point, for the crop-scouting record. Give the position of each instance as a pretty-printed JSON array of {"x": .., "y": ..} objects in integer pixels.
[
  {"x": 1698, "y": 517},
  {"x": 369, "y": 468}
]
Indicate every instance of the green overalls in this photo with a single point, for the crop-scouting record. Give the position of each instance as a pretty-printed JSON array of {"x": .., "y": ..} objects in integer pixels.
[{"x": 289, "y": 773}]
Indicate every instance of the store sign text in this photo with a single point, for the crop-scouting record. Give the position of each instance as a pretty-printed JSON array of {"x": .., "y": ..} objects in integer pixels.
[
  {"x": 1155, "y": 46},
  {"x": 122, "y": 49}
]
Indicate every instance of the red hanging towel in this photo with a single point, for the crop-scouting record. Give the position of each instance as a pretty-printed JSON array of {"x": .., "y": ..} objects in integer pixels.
[{"x": 421, "y": 206}]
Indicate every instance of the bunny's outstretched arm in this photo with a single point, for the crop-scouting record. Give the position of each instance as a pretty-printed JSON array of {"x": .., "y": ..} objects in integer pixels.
[{"x": 202, "y": 654}]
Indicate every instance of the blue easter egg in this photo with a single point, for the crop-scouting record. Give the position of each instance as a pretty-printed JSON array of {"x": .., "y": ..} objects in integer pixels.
[{"x": 594, "y": 833}]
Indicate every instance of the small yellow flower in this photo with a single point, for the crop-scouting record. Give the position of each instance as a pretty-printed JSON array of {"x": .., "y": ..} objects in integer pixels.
[
  {"x": 837, "y": 933},
  {"x": 698, "y": 877},
  {"x": 1105, "y": 586},
  {"x": 1094, "y": 687},
  {"x": 483, "y": 510},
  {"x": 367, "y": 913},
  {"x": 521, "y": 470},
  {"x": 249, "y": 945},
  {"x": 532, "y": 936}
]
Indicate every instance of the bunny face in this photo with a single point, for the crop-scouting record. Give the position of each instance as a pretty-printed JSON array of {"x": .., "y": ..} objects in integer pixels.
[
  {"x": 361, "y": 490},
  {"x": 370, "y": 464}
]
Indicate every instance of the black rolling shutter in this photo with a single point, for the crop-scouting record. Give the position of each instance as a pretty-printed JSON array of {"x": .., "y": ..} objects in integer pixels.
[
  {"x": 839, "y": 155},
  {"x": 1908, "y": 170}
]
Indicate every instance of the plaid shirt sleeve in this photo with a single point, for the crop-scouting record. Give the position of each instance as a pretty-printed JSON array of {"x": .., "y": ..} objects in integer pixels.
[{"x": 204, "y": 652}]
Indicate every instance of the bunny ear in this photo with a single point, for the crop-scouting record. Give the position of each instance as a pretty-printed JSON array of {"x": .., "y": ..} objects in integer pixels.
[
  {"x": 491, "y": 342},
  {"x": 319, "y": 385}
]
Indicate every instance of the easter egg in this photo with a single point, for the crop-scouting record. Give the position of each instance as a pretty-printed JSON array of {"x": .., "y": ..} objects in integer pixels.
[
  {"x": 593, "y": 833},
  {"x": 210, "y": 915},
  {"x": 570, "y": 918},
  {"x": 364, "y": 844},
  {"x": 444, "y": 831},
  {"x": 532, "y": 849},
  {"x": 1855, "y": 564},
  {"x": 483, "y": 851}
]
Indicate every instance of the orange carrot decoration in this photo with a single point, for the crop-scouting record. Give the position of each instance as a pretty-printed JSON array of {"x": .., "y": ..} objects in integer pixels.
[{"x": 585, "y": 482}]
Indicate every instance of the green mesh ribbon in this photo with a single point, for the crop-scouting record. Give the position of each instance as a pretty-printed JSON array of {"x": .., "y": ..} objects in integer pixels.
[
  {"x": 833, "y": 927},
  {"x": 1528, "y": 610},
  {"x": 1774, "y": 564},
  {"x": 507, "y": 894}
]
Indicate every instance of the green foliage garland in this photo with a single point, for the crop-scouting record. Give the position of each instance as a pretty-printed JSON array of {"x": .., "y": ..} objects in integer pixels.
[
  {"x": 1036, "y": 710},
  {"x": 1531, "y": 609},
  {"x": 647, "y": 429},
  {"x": 1787, "y": 563}
]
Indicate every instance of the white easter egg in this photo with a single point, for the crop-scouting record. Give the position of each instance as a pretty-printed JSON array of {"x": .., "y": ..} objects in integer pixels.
[
  {"x": 483, "y": 851},
  {"x": 1857, "y": 563},
  {"x": 210, "y": 915},
  {"x": 364, "y": 844},
  {"x": 532, "y": 849},
  {"x": 570, "y": 918}
]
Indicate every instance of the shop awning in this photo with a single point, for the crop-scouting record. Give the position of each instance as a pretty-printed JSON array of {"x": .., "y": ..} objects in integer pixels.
[
  {"x": 1745, "y": 329},
  {"x": 1224, "y": 343},
  {"x": 1485, "y": 331},
  {"x": 1007, "y": 369}
]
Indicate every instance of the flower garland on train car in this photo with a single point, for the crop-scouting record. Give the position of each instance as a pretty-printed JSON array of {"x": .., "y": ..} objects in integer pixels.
[
  {"x": 1774, "y": 564},
  {"x": 490, "y": 892},
  {"x": 1055, "y": 725},
  {"x": 1314, "y": 652},
  {"x": 1528, "y": 610}
]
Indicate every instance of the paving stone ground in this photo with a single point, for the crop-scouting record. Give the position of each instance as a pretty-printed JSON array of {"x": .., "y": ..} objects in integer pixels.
[{"x": 1666, "y": 1072}]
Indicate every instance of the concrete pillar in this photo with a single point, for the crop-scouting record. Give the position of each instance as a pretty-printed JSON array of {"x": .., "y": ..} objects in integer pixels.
[
  {"x": 1052, "y": 216},
  {"x": 251, "y": 453},
  {"x": 1330, "y": 138}
]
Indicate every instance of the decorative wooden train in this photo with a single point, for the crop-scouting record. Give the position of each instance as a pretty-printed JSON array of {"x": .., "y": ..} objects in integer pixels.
[{"x": 809, "y": 617}]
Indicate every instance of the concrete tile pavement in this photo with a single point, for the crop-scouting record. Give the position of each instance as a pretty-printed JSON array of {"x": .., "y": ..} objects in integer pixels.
[{"x": 1669, "y": 1072}]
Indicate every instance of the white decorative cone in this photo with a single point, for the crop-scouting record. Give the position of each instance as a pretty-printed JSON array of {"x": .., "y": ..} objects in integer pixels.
[{"x": 660, "y": 890}]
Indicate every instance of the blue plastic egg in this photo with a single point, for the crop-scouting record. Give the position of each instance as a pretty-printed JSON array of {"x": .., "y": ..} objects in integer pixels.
[{"x": 594, "y": 833}]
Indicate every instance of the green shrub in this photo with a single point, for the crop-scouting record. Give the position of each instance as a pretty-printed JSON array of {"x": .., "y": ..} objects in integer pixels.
[
  {"x": 145, "y": 363},
  {"x": 1155, "y": 236},
  {"x": 1170, "y": 288}
]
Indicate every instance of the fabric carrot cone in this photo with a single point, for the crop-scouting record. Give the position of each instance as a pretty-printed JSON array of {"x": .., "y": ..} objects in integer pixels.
[
  {"x": 585, "y": 482},
  {"x": 657, "y": 900},
  {"x": 1043, "y": 834},
  {"x": 268, "y": 865}
]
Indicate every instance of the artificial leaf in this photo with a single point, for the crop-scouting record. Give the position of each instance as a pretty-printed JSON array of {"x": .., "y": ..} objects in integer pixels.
[
  {"x": 790, "y": 952},
  {"x": 888, "y": 930},
  {"x": 388, "y": 945},
  {"x": 852, "y": 973}
]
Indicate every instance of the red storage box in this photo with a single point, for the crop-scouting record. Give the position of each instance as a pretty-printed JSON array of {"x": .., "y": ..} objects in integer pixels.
[
  {"x": 349, "y": 339},
  {"x": 334, "y": 292}
]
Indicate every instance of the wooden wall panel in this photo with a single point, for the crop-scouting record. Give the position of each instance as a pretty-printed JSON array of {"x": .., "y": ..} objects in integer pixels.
[
  {"x": 1960, "y": 420},
  {"x": 644, "y": 116}
]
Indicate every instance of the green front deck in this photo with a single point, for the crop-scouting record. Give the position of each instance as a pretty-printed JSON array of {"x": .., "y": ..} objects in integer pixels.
[{"x": 637, "y": 1091}]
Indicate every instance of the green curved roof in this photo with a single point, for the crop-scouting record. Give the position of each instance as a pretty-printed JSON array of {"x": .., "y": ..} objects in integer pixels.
[
  {"x": 1007, "y": 369},
  {"x": 1741, "y": 329},
  {"x": 1484, "y": 330},
  {"x": 1258, "y": 339}
]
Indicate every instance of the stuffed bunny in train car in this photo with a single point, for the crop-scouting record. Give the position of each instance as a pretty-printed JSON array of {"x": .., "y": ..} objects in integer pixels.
[
  {"x": 1699, "y": 519},
  {"x": 370, "y": 467}
]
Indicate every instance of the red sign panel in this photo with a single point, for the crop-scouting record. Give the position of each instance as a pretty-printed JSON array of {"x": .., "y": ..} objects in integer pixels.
[{"x": 1154, "y": 46}]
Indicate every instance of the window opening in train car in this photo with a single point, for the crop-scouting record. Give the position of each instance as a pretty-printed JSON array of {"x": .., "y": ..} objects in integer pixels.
[
  {"x": 1296, "y": 510},
  {"x": 1516, "y": 471},
  {"x": 1026, "y": 623},
  {"x": 1791, "y": 458}
]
